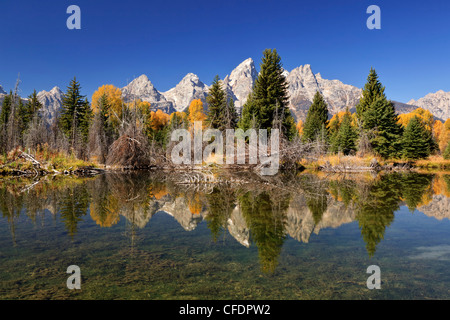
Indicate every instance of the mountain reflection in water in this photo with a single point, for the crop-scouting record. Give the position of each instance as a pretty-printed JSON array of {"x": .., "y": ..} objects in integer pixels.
[{"x": 254, "y": 211}]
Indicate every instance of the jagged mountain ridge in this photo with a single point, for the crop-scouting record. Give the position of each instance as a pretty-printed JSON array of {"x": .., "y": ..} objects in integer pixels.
[
  {"x": 440, "y": 102},
  {"x": 142, "y": 88},
  {"x": 303, "y": 84},
  {"x": 52, "y": 102},
  {"x": 239, "y": 83},
  {"x": 188, "y": 89}
]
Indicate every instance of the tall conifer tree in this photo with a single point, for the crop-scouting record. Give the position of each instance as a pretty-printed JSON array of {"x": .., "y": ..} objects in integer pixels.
[
  {"x": 268, "y": 103},
  {"x": 347, "y": 136},
  {"x": 216, "y": 105},
  {"x": 316, "y": 119},
  {"x": 373, "y": 90},
  {"x": 376, "y": 116},
  {"x": 76, "y": 113},
  {"x": 28, "y": 111},
  {"x": 418, "y": 142}
]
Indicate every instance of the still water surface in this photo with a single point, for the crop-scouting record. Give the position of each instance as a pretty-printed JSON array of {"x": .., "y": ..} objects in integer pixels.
[{"x": 149, "y": 236}]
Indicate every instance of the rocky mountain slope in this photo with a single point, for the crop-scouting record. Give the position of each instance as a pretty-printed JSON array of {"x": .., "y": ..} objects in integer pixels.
[
  {"x": 438, "y": 103},
  {"x": 52, "y": 102},
  {"x": 188, "y": 89},
  {"x": 240, "y": 82},
  {"x": 303, "y": 84},
  {"x": 142, "y": 88}
]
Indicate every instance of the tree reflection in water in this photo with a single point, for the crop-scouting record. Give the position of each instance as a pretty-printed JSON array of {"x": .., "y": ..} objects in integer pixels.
[{"x": 269, "y": 209}]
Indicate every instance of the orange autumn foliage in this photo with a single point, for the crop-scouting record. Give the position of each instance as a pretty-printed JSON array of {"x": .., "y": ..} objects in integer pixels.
[
  {"x": 158, "y": 191},
  {"x": 196, "y": 112},
  {"x": 340, "y": 116},
  {"x": 109, "y": 216},
  {"x": 440, "y": 186},
  {"x": 447, "y": 124},
  {"x": 426, "y": 199},
  {"x": 438, "y": 129},
  {"x": 445, "y": 135},
  {"x": 300, "y": 127},
  {"x": 143, "y": 106},
  {"x": 424, "y": 115},
  {"x": 195, "y": 204},
  {"x": 158, "y": 120},
  {"x": 179, "y": 114},
  {"x": 114, "y": 96}
]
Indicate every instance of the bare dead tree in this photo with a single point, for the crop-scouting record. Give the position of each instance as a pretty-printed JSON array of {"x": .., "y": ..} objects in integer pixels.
[
  {"x": 37, "y": 133},
  {"x": 13, "y": 125}
]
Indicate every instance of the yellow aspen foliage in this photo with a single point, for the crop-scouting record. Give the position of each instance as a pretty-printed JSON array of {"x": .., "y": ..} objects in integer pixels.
[
  {"x": 114, "y": 96},
  {"x": 138, "y": 105},
  {"x": 340, "y": 116},
  {"x": 196, "y": 112},
  {"x": 439, "y": 133},
  {"x": 444, "y": 137},
  {"x": 425, "y": 115},
  {"x": 300, "y": 127},
  {"x": 438, "y": 129},
  {"x": 158, "y": 191},
  {"x": 143, "y": 106},
  {"x": 158, "y": 120},
  {"x": 105, "y": 216},
  {"x": 180, "y": 115},
  {"x": 447, "y": 124},
  {"x": 195, "y": 204},
  {"x": 440, "y": 186},
  {"x": 335, "y": 117},
  {"x": 354, "y": 120},
  {"x": 426, "y": 199},
  {"x": 404, "y": 119}
]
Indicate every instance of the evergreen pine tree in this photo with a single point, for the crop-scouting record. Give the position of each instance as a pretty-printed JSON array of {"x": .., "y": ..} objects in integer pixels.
[
  {"x": 6, "y": 109},
  {"x": 269, "y": 98},
  {"x": 447, "y": 152},
  {"x": 418, "y": 142},
  {"x": 216, "y": 105},
  {"x": 249, "y": 117},
  {"x": 377, "y": 118},
  {"x": 4, "y": 118},
  {"x": 231, "y": 115},
  {"x": 75, "y": 114},
  {"x": 334, "y": 125},
  {"x": 101, "y": 132},
  {"x": 382, "y": 120},
  {"x": 28, "y": 111},
  {"x": 316, "y": 119},
  {"x": 347, "y": 136},
  {"x": 86, "y": 117},
  {"x": 373, "y": 90}
]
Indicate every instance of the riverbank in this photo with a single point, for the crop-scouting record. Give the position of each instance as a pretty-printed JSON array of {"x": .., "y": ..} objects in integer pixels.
[
  {"x": 336, "y": 163},
  {"x": 43, "y": 162}
]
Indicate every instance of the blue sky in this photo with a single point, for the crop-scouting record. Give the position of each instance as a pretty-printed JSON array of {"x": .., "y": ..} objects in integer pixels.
[{"x": 120, "y": 40}]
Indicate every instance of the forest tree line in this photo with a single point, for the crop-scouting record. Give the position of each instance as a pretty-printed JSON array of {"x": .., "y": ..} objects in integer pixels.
[{"x": 104, "y": 129}]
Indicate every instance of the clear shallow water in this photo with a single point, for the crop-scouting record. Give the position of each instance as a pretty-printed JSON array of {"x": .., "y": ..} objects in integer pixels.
[{"x": 143, "y": 236}]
